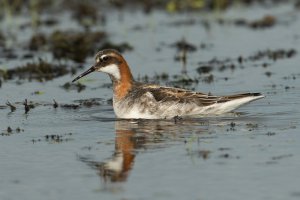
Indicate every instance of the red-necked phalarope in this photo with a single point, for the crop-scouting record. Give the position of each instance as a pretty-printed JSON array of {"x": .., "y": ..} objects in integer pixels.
[{"x": 135, "y": 100}]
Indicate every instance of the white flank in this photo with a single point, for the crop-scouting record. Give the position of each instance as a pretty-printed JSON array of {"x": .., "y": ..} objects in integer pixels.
[
  {"x": 133, "y": 113},
  {"x": 221, "y": 108},
  {"x": 111, "y": 69}
]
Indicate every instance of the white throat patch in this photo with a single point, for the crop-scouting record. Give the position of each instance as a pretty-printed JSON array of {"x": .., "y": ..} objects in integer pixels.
[{"x": 113, "y": 70}]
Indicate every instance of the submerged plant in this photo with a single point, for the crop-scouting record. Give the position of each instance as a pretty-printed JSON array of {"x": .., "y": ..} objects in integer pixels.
[
  {"x": 40, "y": 70},
  {"x": 75, "y": 46}
]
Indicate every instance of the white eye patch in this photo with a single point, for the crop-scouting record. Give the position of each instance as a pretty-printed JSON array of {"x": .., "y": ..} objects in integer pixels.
[
  {"x": 103, "y": 56},
  {"x": 111, "y": 69}
]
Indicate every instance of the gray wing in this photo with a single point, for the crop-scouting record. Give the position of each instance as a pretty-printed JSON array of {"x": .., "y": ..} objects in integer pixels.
[{"x": 163, "y": 94}]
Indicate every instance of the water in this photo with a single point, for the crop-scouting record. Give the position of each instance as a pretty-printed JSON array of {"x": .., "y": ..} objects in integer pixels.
[{"x": 249, "y": 155}]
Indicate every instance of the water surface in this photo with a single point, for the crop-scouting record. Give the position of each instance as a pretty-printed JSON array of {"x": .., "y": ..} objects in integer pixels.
[{"x": 86, "y": 153}]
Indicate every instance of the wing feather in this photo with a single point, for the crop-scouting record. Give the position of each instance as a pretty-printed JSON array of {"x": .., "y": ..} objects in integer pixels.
[{"x": 176, "y": 95}]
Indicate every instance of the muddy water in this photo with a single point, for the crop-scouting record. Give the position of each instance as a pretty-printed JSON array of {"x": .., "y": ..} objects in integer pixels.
[{"x": 85, "y": 153}]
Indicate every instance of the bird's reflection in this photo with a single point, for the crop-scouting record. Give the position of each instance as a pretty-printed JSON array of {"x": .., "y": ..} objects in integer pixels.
[
  {"x": 116, "y": 169},
  {"x": 132, "y": 136},
  {"x": 136, "y": 136}
]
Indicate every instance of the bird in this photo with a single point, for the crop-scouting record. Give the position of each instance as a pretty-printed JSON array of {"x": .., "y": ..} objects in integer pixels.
[{"x": 137, "y": 100}]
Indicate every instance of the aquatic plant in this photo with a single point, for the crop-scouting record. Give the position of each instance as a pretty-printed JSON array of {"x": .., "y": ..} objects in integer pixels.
[
  {"x": 2, "y": 40},
  {"x": 40, "y": 70},
  {"x": 75, "y": 46},
  {"x": 85, "y": 13},
  {"x": 37, "y": 42}
]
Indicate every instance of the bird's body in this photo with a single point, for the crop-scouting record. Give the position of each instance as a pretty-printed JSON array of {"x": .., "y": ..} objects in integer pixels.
[
  {"x": 156, "y": 102},
  {"x": 134, "y": 100}
]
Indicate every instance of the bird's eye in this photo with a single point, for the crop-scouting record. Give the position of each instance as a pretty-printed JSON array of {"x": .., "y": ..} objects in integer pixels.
[{"x": 105, "y": 58}]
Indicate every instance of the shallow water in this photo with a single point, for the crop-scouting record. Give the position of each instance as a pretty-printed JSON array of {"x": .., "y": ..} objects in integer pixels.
[{"x": 252, "y": 154}]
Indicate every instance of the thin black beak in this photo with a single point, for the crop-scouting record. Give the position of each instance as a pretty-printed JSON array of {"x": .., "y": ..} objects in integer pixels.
[{"x": 92, "y": 69}]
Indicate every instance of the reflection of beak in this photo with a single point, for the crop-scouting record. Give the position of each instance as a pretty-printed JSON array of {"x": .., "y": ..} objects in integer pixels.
[{"x": 92, "y": 69}]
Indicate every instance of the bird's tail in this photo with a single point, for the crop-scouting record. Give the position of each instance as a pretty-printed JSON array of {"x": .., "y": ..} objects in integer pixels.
[{"x": 232, "y": 102}]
